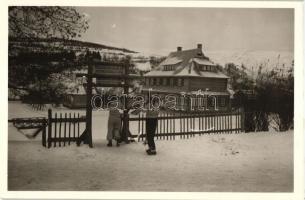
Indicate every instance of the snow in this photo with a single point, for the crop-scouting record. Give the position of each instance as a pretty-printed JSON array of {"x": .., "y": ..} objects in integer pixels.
[
  {"x": 202, "y": 61},
  {"x": 247, "y": 162},
  {"x": 148, "y": 54},
  {"x": 171, "y": 61},
  {"x": 143, "y": 66}
]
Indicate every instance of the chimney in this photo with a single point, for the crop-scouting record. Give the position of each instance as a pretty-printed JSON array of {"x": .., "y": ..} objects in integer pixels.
[
  {"x": 199, "y": 46},
  {"x": 179, "y": 48}
]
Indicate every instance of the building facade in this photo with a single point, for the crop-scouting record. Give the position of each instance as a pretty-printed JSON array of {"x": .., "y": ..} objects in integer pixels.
[{"x": 191, "y": 75}]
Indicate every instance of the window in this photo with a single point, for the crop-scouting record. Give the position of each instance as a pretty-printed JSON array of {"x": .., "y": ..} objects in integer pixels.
[
  {"x": 167, "y": 81},
  {"x": 202, "y": 102},
  {"x": 206, "y": 68},
  {"x": 147, "y": 81},
  {"x": 223, "y": 101},
  {"x": 158, "y": 81},
  {"x": 179, "y": 82},
  {"x": 193, "y": 103},
  {"x": 150, "y": 81},
  {"x": 163, "y": 81},
  {"x": 169, "y": 67},
  {"x": 211, "y": 101},
  {"x": 154, "y": 81},
  {"x": 175, "y": 82},
  {"x": 171, "y": 81}
]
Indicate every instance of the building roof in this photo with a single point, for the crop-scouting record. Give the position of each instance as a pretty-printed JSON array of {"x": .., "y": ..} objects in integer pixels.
[
  {"x": 182, "y": 57},
  {"x": 178, "y": 90},
  {"x": 186, "y": 63},
  {"x": 171, "y": 61},
  {"x": 203, "y": 61}
]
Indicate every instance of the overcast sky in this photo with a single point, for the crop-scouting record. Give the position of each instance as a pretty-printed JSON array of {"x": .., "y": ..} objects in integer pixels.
[{"x": 160, "y": 30}]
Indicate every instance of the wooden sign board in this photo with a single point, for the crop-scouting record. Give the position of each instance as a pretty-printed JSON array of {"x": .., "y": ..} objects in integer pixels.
[
  {"x": 108, "y": 81},
  {"x": 102, "y": 69},
  {"x": 108, "y": 69}
]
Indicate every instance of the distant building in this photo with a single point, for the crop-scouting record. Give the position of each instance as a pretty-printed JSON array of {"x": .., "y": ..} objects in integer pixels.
[
  {"x": 143, "y": 66},
  {"x": 187, "y": 72}
]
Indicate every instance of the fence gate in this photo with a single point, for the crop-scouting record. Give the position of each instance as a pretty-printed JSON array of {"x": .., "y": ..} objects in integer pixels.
[
  {"x": 188, "y": 125},
  {"x": 64, "y": 129},
  {"x": 39, "y": 124}
]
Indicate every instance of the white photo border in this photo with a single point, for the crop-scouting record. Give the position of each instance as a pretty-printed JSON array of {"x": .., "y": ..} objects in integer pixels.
[{"x": 298, "y": 102}]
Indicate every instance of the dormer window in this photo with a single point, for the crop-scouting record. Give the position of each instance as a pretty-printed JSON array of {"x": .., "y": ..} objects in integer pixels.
[
  {"x": 206, "y": 68},
  {"x": 169, "y": 67}
]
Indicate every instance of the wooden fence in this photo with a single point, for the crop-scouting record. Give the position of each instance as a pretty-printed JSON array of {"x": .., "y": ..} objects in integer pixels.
[
  {"x": 38, "y": 123},
  {"x": 63, "y": 128},
  {"x": 188, "y": 125}
]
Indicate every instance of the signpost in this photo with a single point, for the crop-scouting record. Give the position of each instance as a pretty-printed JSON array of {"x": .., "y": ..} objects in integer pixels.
[
  {"x": 86, "y": 136},
  {"x": 107, "y": 75}
]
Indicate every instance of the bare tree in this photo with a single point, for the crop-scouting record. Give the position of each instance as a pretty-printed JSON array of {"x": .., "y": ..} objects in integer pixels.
[
  {"x": 34, "y": 59},
  {"x": 43, "y": 22}
]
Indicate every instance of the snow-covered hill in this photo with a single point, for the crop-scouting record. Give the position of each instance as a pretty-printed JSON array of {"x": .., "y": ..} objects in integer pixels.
[{"x": 250, "y": 59}]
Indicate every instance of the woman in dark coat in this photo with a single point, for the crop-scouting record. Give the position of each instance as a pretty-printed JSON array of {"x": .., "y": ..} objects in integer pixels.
[{"x": 151, "y": 126}]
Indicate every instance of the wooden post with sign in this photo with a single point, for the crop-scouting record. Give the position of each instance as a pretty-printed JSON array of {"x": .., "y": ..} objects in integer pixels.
[
  {"x": 125, "y": 131},
  {"x": 86, "y": 136},
  {"x": 107, "y": 75},
  {"x": 88, "y": 139}
]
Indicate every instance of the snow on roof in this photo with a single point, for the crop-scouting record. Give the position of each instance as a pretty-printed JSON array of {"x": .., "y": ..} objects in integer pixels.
[
  {"x": 185, "y": 73},
  {"x": 143, "y": 66},
  {"x": 188, "y": 71},
  {"x": 184, "y": 60},
  {"x": 181, "y": 90},
  {"x": 208, "y": 74},
  {"x": 171, "y": 61},
  {"x": 159, "y": 73},
  {"x": 203, "y": 61}
]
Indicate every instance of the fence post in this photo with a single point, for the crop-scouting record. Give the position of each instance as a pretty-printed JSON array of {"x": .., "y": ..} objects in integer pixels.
[
  {"x": 44, "y": 130},
  {"x": 242, "y": 120},
  {"x": 49, "y": 127}
]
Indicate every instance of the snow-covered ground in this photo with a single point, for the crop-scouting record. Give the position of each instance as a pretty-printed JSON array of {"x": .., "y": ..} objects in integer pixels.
[{"x": 252, "y": 162}]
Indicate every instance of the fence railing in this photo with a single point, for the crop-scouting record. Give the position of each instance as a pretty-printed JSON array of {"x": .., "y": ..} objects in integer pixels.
[
  {"x": 64, "y": 128},
  {"x": 188, "y": 125}
]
